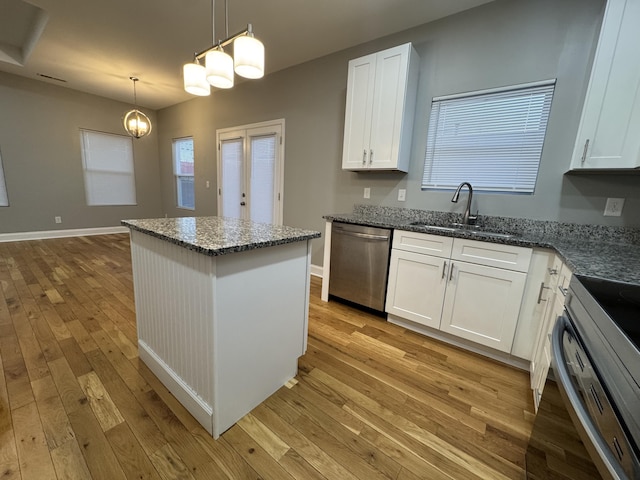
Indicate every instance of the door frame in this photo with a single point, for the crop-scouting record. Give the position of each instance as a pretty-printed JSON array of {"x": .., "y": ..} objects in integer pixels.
[{"x": 276, "y": 127}]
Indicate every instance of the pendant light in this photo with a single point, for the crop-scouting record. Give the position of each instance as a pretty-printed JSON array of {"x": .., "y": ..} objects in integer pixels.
[
  {"x": 195, "y": 79},
  {"x": 219, "y": 67},
  {"x": 248, "y": 56},
  {"x": 136, "y": 123}
]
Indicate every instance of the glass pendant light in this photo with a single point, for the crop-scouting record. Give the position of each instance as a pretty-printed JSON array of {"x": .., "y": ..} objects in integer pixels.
[
  {"x": 195, "y": 79},
  {"x": 219, "y": 67},
  {"x": 135, "y": 122},
  {"x": 248, "y": 56}
]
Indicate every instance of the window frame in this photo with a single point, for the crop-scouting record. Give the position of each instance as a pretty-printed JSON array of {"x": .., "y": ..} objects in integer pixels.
[
  {"x": 484, "y": 146},
  {"x": 177, "y": 176}
]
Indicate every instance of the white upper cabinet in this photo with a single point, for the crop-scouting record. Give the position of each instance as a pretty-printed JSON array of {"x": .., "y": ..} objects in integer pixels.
[
  {"x": 608, "y": 134},
  {"x": 381, "y": 92}
]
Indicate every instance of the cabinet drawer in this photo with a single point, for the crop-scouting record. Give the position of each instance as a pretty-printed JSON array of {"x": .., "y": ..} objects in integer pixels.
[
  {"x": 497, "y": 255},
  {"x": 436, "y": 245}
]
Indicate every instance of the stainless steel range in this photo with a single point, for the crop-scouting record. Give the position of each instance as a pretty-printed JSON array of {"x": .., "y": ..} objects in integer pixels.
[{"x": 596, "y": 363}]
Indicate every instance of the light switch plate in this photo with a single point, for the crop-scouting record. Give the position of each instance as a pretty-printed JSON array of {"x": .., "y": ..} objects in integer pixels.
[
  {"x": 367, "y": 192},
  {"x": 402, "y": 195},
  {"x": 613, "y": 208}
]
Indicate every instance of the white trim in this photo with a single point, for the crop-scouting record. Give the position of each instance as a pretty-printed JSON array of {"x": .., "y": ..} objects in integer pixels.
[
  {"x": 324, "y": 296},
  {"x": 316, "y": 271},
  {"x": 541, "y": 83},
  {"x": 196, "y": 406},
  {"x": 74, "y": 232}
]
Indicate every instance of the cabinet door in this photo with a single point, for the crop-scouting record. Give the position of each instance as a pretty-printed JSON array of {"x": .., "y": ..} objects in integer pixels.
[
  {"x": 416, "y": 287},
  {"x": 388, "y": 106},
  {"x": 482, "y": 304},
  {"x": 608, "y": 134},
  {"x": 357, "y": 127},
  {"x": 543, "y": 359}
]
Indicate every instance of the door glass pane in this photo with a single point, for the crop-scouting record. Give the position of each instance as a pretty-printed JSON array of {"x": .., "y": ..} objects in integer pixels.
[
  {"x": 231, "y": 167},
  {"x": 263, "y": 161}
]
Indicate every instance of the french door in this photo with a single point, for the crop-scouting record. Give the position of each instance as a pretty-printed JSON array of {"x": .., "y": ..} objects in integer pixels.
[{"x": 251, "y": 171}]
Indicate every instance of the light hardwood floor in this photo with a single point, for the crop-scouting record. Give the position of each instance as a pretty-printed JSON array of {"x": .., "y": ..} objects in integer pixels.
[{"x": 371, "y": 401}]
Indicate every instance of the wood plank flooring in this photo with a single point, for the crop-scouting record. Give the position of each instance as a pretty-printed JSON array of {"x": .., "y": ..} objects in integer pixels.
[{"x": 371, "y": 401}]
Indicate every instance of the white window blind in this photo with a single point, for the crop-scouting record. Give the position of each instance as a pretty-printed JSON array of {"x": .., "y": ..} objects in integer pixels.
[
  {"x": 232, "y": 158},
  {"x": 108, "y": 168},
  {"x": 492, "y": 139},
  {"x": 183, "y": 169},
  {"x": 4, "y": 198},
  {"x": 263, "y": 176}
]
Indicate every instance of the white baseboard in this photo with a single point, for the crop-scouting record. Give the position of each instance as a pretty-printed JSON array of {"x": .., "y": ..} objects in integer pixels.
[
  {"x": 200, "y": 410},
  {"x": 75, "y": 232},
  {"x": 316, "y": 271}
]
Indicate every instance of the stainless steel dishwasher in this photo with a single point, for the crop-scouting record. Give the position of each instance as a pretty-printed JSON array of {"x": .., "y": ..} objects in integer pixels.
[{"x": 359, "y": 264}]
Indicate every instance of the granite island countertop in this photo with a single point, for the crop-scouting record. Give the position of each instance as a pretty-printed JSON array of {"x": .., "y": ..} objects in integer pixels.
[
  {"x": 611, "y": 253},
  {"x": 215, "y": 236}
]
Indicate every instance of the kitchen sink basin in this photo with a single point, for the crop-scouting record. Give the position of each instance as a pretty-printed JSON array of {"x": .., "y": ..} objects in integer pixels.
[
  {"x": 492, "y": 234},
  {"x": 458, "y": 227}
]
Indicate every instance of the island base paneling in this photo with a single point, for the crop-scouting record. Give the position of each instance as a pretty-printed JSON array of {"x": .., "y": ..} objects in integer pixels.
[{"x": 221, "y": 332}]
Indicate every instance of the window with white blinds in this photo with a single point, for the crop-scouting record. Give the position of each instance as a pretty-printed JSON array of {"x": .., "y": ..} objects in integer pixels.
[
  {"x": 492, "y": 139},
  {"x": 107, "y": 161},
  {"x": 183, "y": 169},
  {"x": 4, "y": 197}
]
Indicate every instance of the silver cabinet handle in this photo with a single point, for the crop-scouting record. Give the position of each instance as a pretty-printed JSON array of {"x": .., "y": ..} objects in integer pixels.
[
  {"x": 451, "y": 272},
  {"x": 444, "y": 269},
  {"x": 584, "y": 152},
  {"x": 370, "y": 157},
  {"x": 553, "y": 271},
  {"x": 542, "y": 288},
  {"x": 364, "y": 157},
  {"x": 563, "y": 291}
]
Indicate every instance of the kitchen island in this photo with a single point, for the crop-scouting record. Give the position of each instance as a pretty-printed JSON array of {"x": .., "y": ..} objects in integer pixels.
[{"x": 221, "y": 310}]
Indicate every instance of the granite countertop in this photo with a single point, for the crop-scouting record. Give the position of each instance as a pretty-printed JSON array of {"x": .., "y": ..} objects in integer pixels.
[
  {"x": 610, "y": 253},
  {"x": 215, "y": 236}
]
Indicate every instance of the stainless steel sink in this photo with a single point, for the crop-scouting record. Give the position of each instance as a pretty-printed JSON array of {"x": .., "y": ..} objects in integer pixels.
[
  {"x": 458, "y": 227},
  {"x": 491, "y": 234}
]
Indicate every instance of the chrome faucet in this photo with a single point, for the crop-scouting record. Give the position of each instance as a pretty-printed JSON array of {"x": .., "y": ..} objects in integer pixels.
[{"x": 467, "y": 218}]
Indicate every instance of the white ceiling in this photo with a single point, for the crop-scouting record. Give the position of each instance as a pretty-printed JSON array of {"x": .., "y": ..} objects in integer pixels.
[{"x": 96, "y": 45}]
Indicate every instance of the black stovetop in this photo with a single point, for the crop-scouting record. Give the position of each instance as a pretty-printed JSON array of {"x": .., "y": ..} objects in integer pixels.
[{"x": 621, "y": 301}]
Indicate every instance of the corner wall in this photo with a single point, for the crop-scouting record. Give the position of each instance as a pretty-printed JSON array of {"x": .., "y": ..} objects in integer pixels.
[{"x": 41, "y": 153}]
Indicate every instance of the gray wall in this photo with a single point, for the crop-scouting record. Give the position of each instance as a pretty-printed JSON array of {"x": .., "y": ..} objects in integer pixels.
[
  {"x": 40, "y": 148},
  {"x": 501, "y": 43}
]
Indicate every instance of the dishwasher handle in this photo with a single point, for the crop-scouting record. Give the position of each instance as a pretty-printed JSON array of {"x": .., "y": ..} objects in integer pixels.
[{"x": 367, "y": 236}]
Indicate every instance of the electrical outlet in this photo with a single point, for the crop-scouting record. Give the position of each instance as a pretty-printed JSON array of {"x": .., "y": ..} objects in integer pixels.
[
  {"x": 206, "y": 184},
  {"x": 367, "y": 192},
  {"x": 613, "y": 208},
  {"x": 58, "y": 219},
  {"x": 402, "y": 195}
]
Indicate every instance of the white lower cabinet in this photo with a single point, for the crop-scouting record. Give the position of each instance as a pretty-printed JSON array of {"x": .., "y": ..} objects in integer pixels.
[
  {"x": 482, "y": 304},
  {"x": 416, "y": 287},
  {"x": 558, "y": 282},
  {"x": 469, "y": 289}
]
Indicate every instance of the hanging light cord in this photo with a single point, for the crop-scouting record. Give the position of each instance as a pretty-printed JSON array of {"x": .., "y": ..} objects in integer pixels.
[{"x": 135, "y": 97}]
